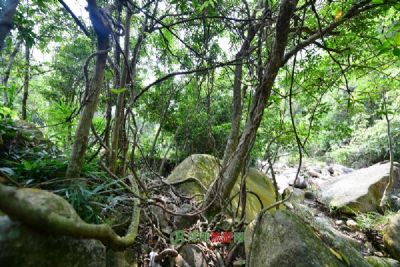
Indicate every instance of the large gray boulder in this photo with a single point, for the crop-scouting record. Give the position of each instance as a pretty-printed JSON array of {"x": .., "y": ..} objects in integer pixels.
[
  {"x": 391, "y": 236},
  {"x": 361, "y": 190},
  {"x": 196, "y": 173},
  {"x": 22, "y": 246},
  {"x": 288, "y": 238}
]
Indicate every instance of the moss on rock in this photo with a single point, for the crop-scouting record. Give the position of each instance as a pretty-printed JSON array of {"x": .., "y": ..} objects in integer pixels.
[
  {"x": 391, "y": 236},
  {"x": 196, "y": 173},
  {"x": 283, "y": 238},
  {"x": 22, "y": 246}
]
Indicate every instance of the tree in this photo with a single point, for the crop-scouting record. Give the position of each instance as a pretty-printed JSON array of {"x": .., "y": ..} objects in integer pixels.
[
  {"x": 6, "y": 17},
  {"x": 26, "y": 80},
  {"x": 276, "y": 60},
  {"x": 103, "y": 31}
]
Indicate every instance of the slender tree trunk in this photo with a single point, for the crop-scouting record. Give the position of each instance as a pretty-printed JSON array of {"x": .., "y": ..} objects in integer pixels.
[
  {"x": 163, "y": 117},
  {"x": 7, "y": 72},
  {"x": 6, "y": 20},
  {"x": 107, "y": 132},
  {"x": 223, "y": 186},
  {"x": 390, "y": 144},
  {"x": 82, "y": 131},
  {"x": 234, "y": 134},
  {"x": 210, "y": 137},
  {"x": 26, "y": 82},
  {"x": 119, "y": 111}
]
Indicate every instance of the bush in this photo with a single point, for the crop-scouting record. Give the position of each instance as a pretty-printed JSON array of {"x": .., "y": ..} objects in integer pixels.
[{"x": 368, "y": 146}]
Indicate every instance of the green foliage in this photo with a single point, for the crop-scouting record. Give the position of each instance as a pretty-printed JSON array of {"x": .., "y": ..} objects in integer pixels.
[
  {"x": 372, "y": 221},
  {"x": 368, "y": 145}
]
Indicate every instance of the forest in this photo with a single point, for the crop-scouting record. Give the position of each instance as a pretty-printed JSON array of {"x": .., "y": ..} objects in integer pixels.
[{"x": 161, "y": 133}]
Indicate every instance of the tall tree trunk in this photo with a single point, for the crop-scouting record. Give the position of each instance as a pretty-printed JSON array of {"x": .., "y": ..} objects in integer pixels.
[
  {"x": 6, "y": 19},
  {"x": 26, "y": 81},
  {"x": 82, "y": 131},
  {"x": 8, "y": 71},
  {"x": 119, "y": 111},
  {"x": 222, "y": 187},
  {"x": 234, "y": 134}
]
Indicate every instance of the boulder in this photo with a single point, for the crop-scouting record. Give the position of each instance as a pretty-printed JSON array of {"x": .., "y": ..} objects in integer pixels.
[
  {"x": 391, "y": 236},
  {"x": 20, "y": 135},
  {"x": 22, "y": 246},
  {"x": 359, "y": 191},
  {"x": 196, "y": 173},
  {"x": 191, "y": 255},
  {"x": 42, "y": 241},
  {"x": 382, "y": 262},
  {"x": 124, "y": 258},
  {"x": 292, "y": 238}
]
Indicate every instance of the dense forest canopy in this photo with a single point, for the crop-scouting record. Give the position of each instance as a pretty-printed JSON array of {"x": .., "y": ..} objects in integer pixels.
[{"x": 126, "y": 88}]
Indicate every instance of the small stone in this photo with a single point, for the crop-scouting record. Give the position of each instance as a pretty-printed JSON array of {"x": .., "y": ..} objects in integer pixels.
[
  {"x": 313, "y": 173},
  {"x": 339, "y": 222},
  {"x": 370, "y": 247},
  {"x": 378, "y": 253},
  {"x": 351, "y": 224},
  {"x": 289, "y": 205},
  {"x": 309, "y": 195}
]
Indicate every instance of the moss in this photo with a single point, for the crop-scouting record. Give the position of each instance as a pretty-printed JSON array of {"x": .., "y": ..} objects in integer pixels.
[
  {"x": 286, "y": 238},
  {"x": 391, "y": 236},
  {"x": 47, "y": 212},
  {"x": 47, "y": 202},
  {"x": 205, "y": 168},
  {"x": 22, "y": 246}
]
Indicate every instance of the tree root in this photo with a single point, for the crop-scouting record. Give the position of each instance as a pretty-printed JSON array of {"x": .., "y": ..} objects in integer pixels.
[{"x": 17, "y": 203}]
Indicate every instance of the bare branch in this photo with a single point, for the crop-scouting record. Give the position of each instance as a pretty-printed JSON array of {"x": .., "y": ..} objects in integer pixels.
[{"x": 76, "y": 19}]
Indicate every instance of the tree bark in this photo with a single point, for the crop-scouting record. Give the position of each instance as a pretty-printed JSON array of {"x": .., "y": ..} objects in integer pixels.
[
  {"x": 6, "y": 20},
  {"x": 222, "y": 187},
  {"x": 8, "y": 71},
  {"x": 119, "y": 111},
  {"x": 234, "y": 134},
  {"x": 82, "y": 131},
  {"x": 26, "y": 82},
  {"x": 389, "y": 185}
]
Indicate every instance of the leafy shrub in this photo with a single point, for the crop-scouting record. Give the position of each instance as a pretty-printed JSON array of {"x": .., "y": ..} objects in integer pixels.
[
  {"x": 368, "y": 146},
  {"x": 372, "y": 220}
]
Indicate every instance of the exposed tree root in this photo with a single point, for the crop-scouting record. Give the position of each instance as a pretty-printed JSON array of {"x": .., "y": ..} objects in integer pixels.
[{"x": 47, "y": 212}]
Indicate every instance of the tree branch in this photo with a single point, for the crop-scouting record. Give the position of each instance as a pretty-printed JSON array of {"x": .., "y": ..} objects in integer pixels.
[
  {"x": 352, "y": 12},
  {"x": 76, "y": 19}
]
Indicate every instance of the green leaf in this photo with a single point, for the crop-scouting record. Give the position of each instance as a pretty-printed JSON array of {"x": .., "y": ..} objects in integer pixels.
[
  {"x": 396, "y": 39},
  {"x": 396, "y": 52},
  {"x": 383, "y": 50},
  {"x": 378, "y": 1},
  {"x": 118, "y": 91}
]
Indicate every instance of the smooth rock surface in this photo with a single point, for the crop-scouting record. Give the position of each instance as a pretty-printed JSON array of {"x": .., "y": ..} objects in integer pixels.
[
  {"x": 288, "y": 238},
  {"x": 359, "y": 191}
]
